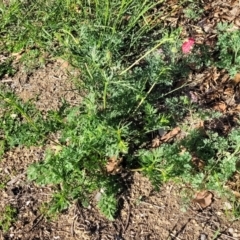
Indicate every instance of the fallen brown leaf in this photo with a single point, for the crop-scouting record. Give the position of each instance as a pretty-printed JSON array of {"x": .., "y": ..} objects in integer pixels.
[
  {"x": 171, "y": 134},
  {"x": 229, "y": 91},
  {"x": 236, "y": 79},
  {"x": 220, "y": 106},
  {"x": 204, "y": 198},
  {"x": 156, "y": 142},
  {"x": 17, "y": 56},
  {"x": 113, "y": 165},
  {"x": 200, "y": 124},
  {"x": 236, "y": 194},
  {"x": 237, "y": 108},
  {"x": 198, "y": 163},
  {"x": 194, "y": 97}
]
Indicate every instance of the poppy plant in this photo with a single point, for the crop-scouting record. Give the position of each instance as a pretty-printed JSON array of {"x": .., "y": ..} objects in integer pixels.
[{"x": 188, "y": 45}]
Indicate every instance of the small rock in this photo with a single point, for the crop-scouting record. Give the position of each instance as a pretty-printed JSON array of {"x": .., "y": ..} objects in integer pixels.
[
  {"x": 235, "y": 235},
  {"x": 161, "y": 131},
  {"x": 227, "y": 206},
  {"x": 98, "y": 196},
  {"x": 203, "y": 236}
]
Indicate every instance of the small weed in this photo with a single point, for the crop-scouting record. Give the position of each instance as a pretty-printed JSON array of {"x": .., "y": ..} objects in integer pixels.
[
  {"x": 7, "y": 217},
  {"x": 2, "y": 186},
  {"x": 228, "y": 48},
  {"x": 32, "y": 59},
  {"x": 108, "y": 205},
  {"x": 22, "y": 124},
  {"x": 193, "y": 11},
  {"x": 164, "y": 163},
  {"x": 2, "y": 147},
  {"x": 6, "y": 68}
]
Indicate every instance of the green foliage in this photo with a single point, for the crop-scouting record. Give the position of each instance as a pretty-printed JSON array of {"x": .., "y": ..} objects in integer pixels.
[
  {"x": 192, "y": 9},
  {"x": 6, "y": 68},
  {"x": 87, "y": 141},
  {"x": 130, "y": 67},
  {"x": 228, "y": 47},
  {"x": 22, "y": 124},
  {"x": 32, "y": 59},
  {"x": 218, "y": 156},
  {"x": 2, "y": 147},
  {"x": 107, "y": 46},
  {"x": 164, "y": 163},
  {"x": 108, "y": 205},
  {"x": 7, "y": 217}
]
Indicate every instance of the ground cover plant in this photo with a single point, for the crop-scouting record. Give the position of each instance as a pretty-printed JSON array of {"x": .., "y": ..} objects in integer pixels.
[
  {"x": 7, "y": 218},
  {"x": 131, "y": 71}
]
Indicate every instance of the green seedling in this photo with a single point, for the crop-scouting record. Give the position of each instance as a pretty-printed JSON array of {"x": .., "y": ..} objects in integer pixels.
[
  {"x": 7, "y": 218},
  {"x": 228, "y": 48}
]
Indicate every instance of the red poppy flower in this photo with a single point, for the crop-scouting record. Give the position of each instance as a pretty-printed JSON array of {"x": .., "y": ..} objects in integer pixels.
[{"x": 188, "y": 45}]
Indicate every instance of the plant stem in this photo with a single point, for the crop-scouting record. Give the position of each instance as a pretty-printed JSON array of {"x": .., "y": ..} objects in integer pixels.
[
  {"x": 147, "y": 53},
  {"x": 142, "y": 100},
  {"x": 105, "y": 95}
]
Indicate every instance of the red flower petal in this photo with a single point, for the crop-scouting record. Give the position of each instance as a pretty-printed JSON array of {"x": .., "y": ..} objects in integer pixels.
[{"x": 188, "y": 45}]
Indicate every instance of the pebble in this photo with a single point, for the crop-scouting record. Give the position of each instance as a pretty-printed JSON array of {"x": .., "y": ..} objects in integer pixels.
[
  {"x": 98, "y": 196},
  {"x": 227, "y": 206},
  {"x": 235, "y": 235},
  {"x": 203, "y": 236}
]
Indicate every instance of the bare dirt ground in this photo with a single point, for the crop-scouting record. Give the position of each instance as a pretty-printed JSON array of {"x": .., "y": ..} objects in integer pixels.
[{"x": 144, "y": 213}]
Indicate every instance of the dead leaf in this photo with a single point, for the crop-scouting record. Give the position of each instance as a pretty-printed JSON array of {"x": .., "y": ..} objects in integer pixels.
[
  {"x": 17, "y": 56},
  {"x": 237, "y": 22},
  {"x": 200, "y": 124},
  {"x": 198, "y": 163},
  {"x": 204, "y": 198},
  {"x": 156, "y": 142},
  {"x": 171, "y": 134},
  {"x": 236, "y": 194},
  {"x": 220, "y": 106},
  {"x": 64, "y": 64},
  {"x": 113, "y": 165},
  {"x": 194, "y": 96},
  {"x": 236, "y": 79},
  {"x": 237, "y": 108},
  {"x": 229, "y": 92}
]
